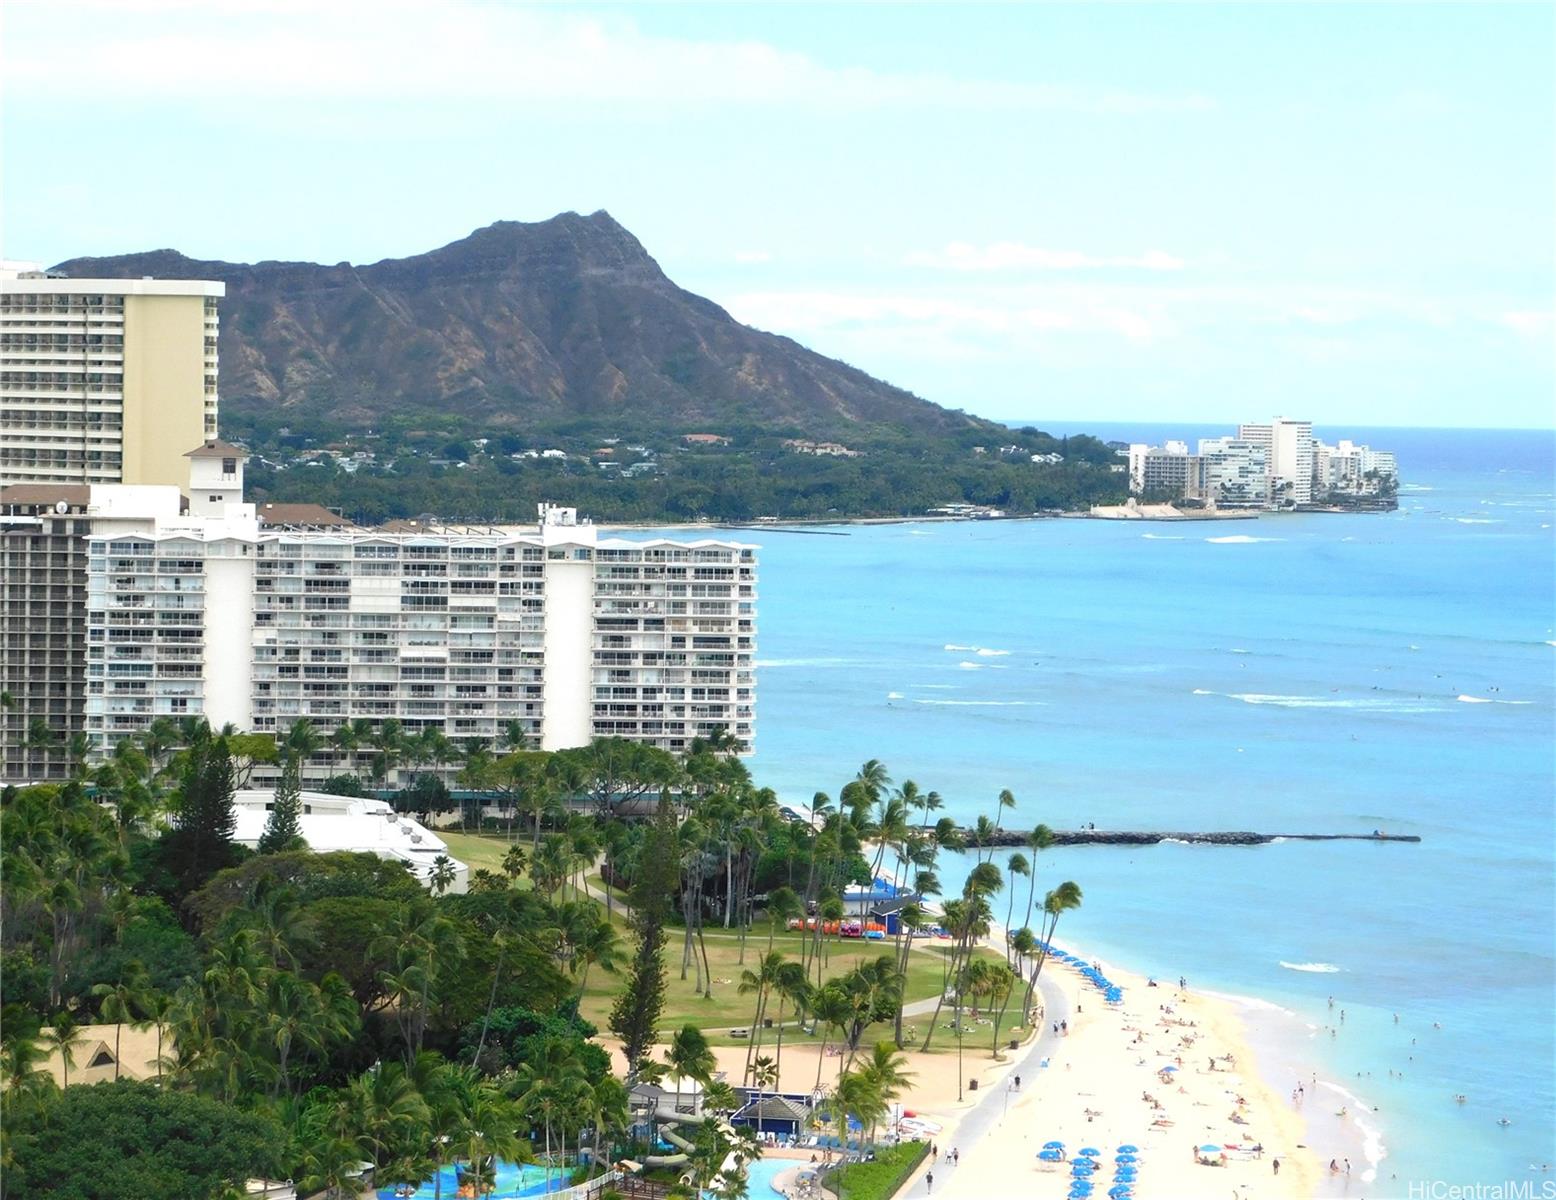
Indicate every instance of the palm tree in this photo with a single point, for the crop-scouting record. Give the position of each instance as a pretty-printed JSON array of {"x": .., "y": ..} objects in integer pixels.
[
  {"x": 793, "y": 988},
  {"x": 886, "y": 1073},
  {"x": 1056, "y": 903},
  {"x": 1040, "y": 839},
  {"x": 121, "y": 1002},
  {"x": 513, "y": 863},
  {"x": 999, "y": 983},
  {"x": 62, "y": 1034},
  {"x": 1015, "y": 865},
  {"x": 690, "y": 1057},
  {"x": 761, "y": 982},
  {"x": 443, "y": 874}
]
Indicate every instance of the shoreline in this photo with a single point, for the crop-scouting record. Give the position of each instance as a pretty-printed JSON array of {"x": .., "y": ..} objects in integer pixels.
[
  {"x": 1286, "y": 1043},
  {"x": 1094, "y": 1092},
  {"x": 1099, "y": 1083},
  {"x": 798, "y": 524}
]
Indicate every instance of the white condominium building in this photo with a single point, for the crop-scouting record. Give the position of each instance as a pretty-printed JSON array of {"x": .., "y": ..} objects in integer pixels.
[
  {"x": 460, "y": 630},
  {"x": 1350, "y": 468},
  {"x": 104, "y": 380},
  {"x": 1235, "y": 472},
  {"x": 1288, "y": 448}
]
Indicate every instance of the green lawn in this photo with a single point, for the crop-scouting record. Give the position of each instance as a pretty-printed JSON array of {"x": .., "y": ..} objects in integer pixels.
[{"x": 728, "y": 1009}]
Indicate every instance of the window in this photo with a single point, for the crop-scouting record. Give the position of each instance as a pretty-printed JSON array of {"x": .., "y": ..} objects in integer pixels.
[{"x": 229, "y": 466}]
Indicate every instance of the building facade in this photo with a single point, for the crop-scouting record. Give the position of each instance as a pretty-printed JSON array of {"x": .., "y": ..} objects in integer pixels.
[
  {"x": 463, "y": 631},
  {"x": 1288, "y": 456},
  {"x": 1235, "y": 472},
  {"x": 43, "y": 565},
  {"x": 104, "y": 380}
]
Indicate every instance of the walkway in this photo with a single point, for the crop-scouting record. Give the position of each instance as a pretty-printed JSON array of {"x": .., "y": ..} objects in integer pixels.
[{"x": 990, "y": 1110}]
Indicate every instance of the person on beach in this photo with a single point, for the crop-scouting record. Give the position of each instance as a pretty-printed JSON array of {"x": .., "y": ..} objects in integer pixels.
[{"x": 1275, "y": 1165}]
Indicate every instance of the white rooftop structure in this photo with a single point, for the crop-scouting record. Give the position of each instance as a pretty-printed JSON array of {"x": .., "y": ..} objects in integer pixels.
[{"x": 354, "y": 824}]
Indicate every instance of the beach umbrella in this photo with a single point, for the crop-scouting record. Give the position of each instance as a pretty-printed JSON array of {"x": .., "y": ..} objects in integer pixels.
[
  {"x": 1091, "y": 1151},
  {"x": 1053, "y": 1146},
  {"x": 1128, "y": 1149},
  {"x": 1124, "y": 1174},
  {"x": 1209, "y": 1149},
  {"x": 1120, "y": 1190},
  {"x": 1049, "y": 1155},
  {"x": 1124, "y": 1159},
  {"x": 1080, "y": 1189}
]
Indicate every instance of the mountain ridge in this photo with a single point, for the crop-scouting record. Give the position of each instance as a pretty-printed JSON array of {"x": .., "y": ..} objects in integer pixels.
[{"x": 521, "y": 324}]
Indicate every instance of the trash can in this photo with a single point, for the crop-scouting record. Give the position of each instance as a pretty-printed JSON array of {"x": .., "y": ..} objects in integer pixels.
[
  {"x": 1015, "y": 1043},
  {"x": 972, "y": 1085}
]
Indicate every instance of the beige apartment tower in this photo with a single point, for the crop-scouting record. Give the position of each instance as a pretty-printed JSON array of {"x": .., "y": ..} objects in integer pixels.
[{"x": 104, "y": 380}]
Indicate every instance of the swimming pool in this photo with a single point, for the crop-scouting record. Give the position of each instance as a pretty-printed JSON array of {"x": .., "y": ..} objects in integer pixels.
[
  {"x": 761, "y": 1173},
  {"x": 513, "y": 1181}
]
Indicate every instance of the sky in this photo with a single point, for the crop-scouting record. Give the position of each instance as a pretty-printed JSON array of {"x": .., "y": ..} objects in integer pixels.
[{"x": 1190, "y": 212}]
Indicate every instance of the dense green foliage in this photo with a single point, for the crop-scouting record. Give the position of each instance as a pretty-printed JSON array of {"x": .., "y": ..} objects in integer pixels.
[
  {"x": 880, "y": 1178},
  {"x": 337, "y": 1010},
  {"x": 134, "y": 1141}
]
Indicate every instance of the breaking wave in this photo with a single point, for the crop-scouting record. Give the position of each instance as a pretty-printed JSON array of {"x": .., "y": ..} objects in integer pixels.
[
  {"x": 1314, "y": 968},
  {"x": 1240, "y": 539}
]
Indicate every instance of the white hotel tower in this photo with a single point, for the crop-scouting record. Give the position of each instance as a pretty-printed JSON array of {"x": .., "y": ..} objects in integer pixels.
[{"x": 463, "y": 630}]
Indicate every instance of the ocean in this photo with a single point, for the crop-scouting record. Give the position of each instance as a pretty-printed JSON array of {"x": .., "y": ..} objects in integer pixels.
[{"x": 1301, "y": 673}]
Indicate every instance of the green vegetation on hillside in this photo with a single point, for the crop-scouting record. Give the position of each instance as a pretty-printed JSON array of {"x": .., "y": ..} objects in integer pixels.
[{"x": 439, "y": 466}]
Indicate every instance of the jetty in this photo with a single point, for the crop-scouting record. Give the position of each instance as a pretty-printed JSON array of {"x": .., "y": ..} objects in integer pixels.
[{"x": 1129, "y": 837}]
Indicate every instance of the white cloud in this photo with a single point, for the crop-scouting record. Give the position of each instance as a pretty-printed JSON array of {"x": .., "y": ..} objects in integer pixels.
[
  {"x": 1010, "y": 256},
  {"x": 1532, "y": 323},
  {"x": 461, "y": 49}
]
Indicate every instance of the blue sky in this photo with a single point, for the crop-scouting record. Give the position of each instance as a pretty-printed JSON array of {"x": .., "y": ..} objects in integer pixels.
[{"x": 1197, "y": 212}]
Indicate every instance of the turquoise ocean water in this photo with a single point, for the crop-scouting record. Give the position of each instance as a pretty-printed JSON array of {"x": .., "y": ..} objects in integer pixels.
[{"x": 1299, "y": 673}]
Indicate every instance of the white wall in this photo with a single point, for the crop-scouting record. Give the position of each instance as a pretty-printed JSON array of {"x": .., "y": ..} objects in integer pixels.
[
  {"x": 567, "y": 716},
  {"x": 229, "y": 635}
]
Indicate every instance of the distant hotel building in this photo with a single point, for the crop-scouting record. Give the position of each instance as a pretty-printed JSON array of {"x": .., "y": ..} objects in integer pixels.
[
  {"x": 104, "y": 380},
  {"x": 1271, "y": 466}
]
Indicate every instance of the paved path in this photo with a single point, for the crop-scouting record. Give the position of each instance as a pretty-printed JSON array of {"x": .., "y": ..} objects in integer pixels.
[{"x": 990, "y": 1110}]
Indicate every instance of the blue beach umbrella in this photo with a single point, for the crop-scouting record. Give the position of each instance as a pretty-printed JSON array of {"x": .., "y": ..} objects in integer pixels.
[
  {"x": 1128, "y": 1149},
  {"x": 1080, "y": 1189},
  {"x": 1207, "y": 1148},
  {"x": 1053, "y": 1145},
  {"x": 1120, "y": 1190},
  {"x": 1124, "y": 1159},
  {"x": 1049, "y": 1155},
  {"x": 1124, "y": 1174},
  {"x": 1091, "y": 1151}
]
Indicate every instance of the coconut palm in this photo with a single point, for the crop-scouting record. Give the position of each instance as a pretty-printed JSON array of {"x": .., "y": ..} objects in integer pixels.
[
  {"x": 122, "y": 1004},
  {"x": 761, "y": 982},
  {"x": 1040, "y": 839},
  {"x": 690, "y": 1057},
  {"x": 1015, "y": 865},
  {"x": 64, "y": 1035}
]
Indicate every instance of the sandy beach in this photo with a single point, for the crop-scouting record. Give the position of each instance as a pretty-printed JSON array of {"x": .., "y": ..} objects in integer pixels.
[{"x": 1102, "y": 1084}]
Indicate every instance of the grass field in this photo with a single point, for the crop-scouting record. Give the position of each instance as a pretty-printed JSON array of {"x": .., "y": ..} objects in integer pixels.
[{"x": 728, "y": 1009}]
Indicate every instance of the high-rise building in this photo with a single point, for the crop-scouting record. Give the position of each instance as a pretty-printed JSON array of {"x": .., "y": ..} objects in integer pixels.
[
  {"x": 464, "y": 631},
  {"x": 1288, "y": 449},
  {"x": 1234, "y": 471},
  {"x": 104, "y": 380},
  {"x": 1168, "y": 469}
]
